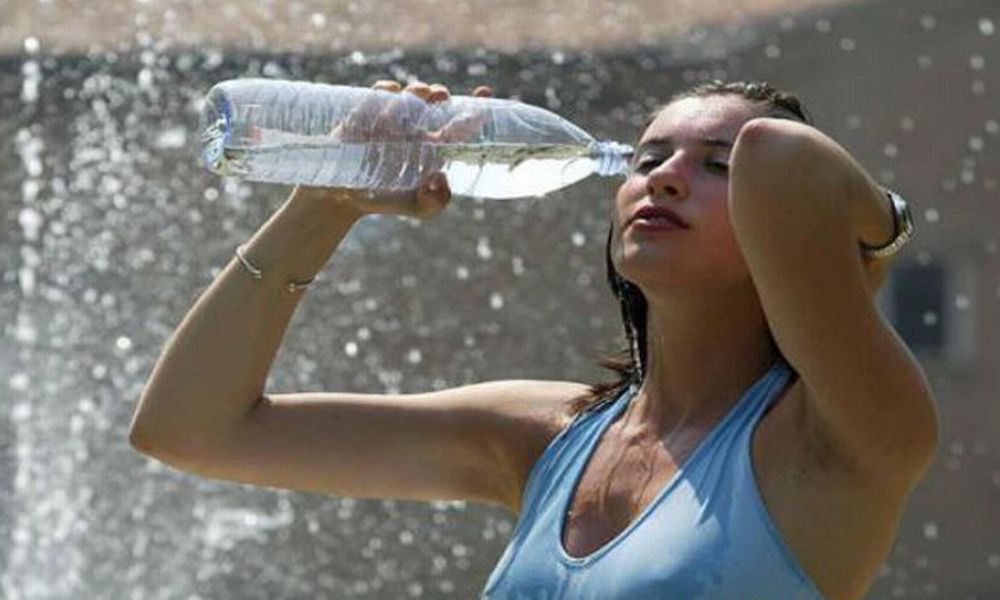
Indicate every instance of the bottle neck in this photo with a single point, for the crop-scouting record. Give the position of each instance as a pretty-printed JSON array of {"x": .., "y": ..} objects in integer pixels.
[{"x": 612, "y": 157}]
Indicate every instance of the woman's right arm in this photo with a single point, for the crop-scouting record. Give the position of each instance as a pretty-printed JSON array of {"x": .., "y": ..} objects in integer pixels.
[
  {"x": 204, "y": 410},
  {"x": 213, "y": 370},
  {"x": 226, "y": 343}
]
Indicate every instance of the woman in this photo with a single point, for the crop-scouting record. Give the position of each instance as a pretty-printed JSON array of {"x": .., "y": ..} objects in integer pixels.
[{"x": 766, "y": 430}]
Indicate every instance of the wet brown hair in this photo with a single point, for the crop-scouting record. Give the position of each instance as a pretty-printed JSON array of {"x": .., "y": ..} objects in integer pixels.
[{"x": 629, "y": 361}]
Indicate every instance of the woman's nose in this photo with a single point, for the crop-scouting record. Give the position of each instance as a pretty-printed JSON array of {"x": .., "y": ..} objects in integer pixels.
[{"x": 667, "y": 178}]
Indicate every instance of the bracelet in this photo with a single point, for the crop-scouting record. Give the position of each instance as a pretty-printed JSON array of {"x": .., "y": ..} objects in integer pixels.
[{"x": 292, "y": 286}]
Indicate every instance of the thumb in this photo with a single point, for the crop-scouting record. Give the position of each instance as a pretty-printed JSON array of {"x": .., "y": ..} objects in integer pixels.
[{"x": 433, "y": 195}]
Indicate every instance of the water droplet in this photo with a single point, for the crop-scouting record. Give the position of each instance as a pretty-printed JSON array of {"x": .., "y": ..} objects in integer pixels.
[
  {"x": 552, "y": 98},
  {"x": 351, "y": 349},
  {"x": 19, "y": 382},
  {"x": 847, "y": 44},
  {"x": 772, "y": 51},
  {"x": 483, "y": 248},
  {"x": 976, "y": 143},
  {"x": 928, "y": 22},
  {"x": 977, "y": 62},
  {"x": 993, "y": 560},
  {"x": 30, "y": 221},
  {"x": 979, "y": 87},
  {"x": 438, "y": 563},
  {"x": 31, "y": 44},
  {"x": 906, "y": 124},
  {"x": 496, "y": 301},
  {"x": 123, "y": 343},
  {"x": 823, "y": 26},
  {"x": 175, "y": 137},
  {"x": 929, "y": 318},
  {"x": 578, "y": 239},
  {"x": 414, "y": 356},
  {"x": 931, "y": 530},
  {"x": 931, "y": 215},
  {"x": 986, "y": 27},
  {"x": 962, "y": 302},
  {"x": 461, "y": 272},
  {"x": 891, "y": 150},
  {"x": 517, "y": 265},
  {"x": 924, "y": 61},
  {"x": 21, "y": 412}
]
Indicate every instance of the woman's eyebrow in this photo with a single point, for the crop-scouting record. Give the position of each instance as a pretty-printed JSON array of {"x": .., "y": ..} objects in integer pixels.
[{"x": 669, "y": 141}]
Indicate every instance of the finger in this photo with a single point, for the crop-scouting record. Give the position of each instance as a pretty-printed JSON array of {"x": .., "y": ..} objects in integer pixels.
[
  {"x": 387, "y": 85},
  {"x": 439, "y": 93},
  {"x": 419, "y": 89},
  {"x": 483, "y": 91},
  {"x": 465, "y": 128},
  {"x": 433, "y": 195}
]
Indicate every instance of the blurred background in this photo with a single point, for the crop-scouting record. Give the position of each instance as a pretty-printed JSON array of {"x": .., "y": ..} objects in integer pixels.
[{"x": 112, "y": 229}]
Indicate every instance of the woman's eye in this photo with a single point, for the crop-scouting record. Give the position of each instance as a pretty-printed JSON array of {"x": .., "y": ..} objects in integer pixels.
[
  {"x": 645, "y": 164},
  {"x": 642, "y": 165}
]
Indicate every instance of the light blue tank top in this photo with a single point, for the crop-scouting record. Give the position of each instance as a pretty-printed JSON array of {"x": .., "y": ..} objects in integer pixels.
[{"x": 706, "y": 536}]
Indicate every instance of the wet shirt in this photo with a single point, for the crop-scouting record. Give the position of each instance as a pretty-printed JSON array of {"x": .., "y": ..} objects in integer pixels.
[{"x": 706, "y": 536}]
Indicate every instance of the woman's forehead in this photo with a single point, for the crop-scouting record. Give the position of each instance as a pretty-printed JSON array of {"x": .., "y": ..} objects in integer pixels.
[{"x": 702, "y": 117}]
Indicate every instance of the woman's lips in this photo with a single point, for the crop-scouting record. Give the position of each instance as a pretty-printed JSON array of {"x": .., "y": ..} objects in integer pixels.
[
  {"x": 652, "y": 212},
  {"x": 654, "y": 224}
]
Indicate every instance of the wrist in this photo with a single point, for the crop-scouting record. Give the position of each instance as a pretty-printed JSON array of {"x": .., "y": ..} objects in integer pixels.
[
  {"x": 339, "y": 203},
  {"x": 875, "y": 221}
]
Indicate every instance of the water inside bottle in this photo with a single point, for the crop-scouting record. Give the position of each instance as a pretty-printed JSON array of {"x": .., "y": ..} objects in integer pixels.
[{"x": 476, "y": 170}]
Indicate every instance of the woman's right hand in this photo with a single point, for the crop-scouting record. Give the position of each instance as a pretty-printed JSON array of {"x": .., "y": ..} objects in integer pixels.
[{"x": 395, "y": 122}]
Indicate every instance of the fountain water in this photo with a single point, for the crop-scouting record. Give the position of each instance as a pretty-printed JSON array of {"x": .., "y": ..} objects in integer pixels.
[{"x": 114, "y": 229}]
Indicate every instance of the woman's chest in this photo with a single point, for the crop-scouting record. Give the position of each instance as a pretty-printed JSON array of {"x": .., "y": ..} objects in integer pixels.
[
  {"x": 618, "y": 485},
  {"x": 837, "y": 535}
]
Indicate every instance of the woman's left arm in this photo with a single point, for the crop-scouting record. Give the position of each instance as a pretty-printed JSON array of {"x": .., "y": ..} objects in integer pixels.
[{"x": 799, "y": 205}]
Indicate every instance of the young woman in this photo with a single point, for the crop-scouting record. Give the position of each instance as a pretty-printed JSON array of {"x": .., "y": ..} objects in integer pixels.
[{"x": 767, "y": 427}]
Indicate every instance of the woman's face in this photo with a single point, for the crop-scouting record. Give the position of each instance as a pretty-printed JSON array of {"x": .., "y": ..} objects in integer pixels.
[{"x": 675, "y": 166}]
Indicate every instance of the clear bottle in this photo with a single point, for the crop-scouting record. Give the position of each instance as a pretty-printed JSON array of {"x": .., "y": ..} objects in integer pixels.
[{"x": 314, "y": 134}]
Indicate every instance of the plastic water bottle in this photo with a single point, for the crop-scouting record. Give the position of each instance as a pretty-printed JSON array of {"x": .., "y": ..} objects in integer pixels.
[{"x": 313, "y": 134}]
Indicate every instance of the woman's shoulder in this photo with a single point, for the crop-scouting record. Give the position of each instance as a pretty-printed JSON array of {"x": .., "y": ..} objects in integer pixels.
[
  {"x": 525, "y": 416},
  {"x": 547, "y": 406}
]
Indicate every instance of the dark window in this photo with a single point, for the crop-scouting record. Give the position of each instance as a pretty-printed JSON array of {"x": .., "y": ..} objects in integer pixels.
[{"x": 918, "y": 306}]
